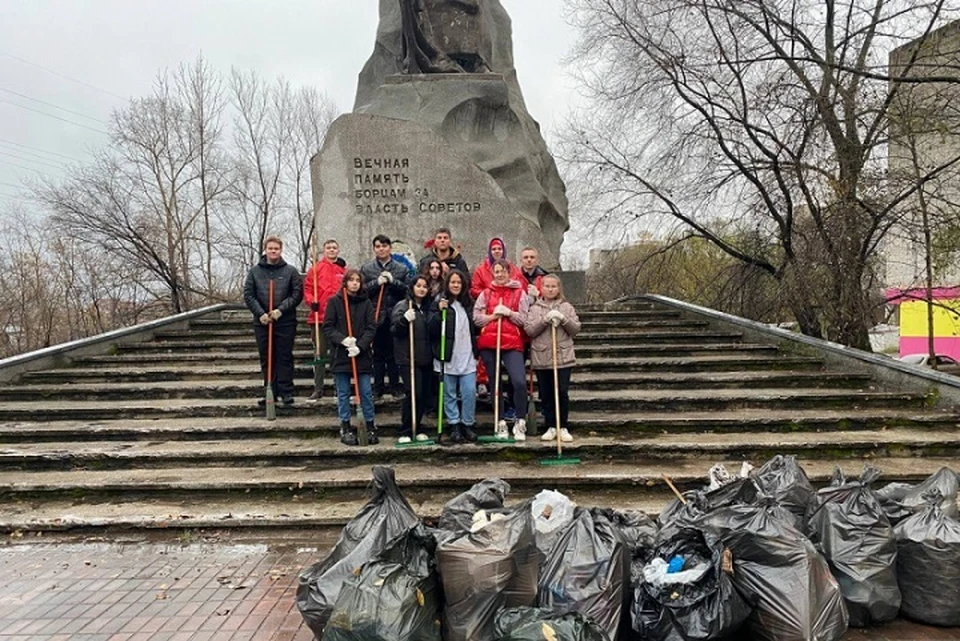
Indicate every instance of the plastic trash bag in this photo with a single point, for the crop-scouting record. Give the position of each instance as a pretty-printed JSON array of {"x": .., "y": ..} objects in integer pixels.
[
  {"x": 458, "y": 512},
  {"x": 851, "y": 529},
  {"x": 483, "y": 571},
  {"x": 534, "y": 624},
  {"x": 783, "y": 479},
  {"x": 928, "y": 565},
  {"x": 395, "y": 597},
  {"x": 779, "y": 572},
  {"x": 900, "y": 500},
  {"x": 587, "y": 572},
  {"x": 676, "y": 515},
  {"x": 552, "y": 511},
  {"x": 382, "y": 519},
  {"x": 699, "y": 602}
]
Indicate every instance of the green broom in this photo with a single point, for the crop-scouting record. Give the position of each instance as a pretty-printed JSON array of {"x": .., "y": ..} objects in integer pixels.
[
  {"x": 559, "y": 460},
  {"x": 413, "y": 387}
]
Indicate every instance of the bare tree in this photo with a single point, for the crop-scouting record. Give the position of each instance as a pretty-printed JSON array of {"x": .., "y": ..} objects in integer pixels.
[{"x": 772, "y": 113}]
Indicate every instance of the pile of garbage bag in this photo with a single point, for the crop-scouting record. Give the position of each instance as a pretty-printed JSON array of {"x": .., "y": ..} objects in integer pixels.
[{"x": 760, "y": 554}]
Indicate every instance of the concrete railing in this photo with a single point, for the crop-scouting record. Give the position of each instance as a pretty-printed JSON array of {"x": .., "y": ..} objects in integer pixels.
[
  {"x": 942, "y": 389},
  {"x": 62, "y": 355}
]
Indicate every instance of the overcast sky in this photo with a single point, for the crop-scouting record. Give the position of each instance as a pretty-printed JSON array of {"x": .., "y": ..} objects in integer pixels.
[{"x": 76, "y": 60}]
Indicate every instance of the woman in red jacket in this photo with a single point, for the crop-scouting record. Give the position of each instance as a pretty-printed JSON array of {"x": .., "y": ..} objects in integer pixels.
[
  {"x": 321, "y": 282},
  {"x": 502, "y": 309}
]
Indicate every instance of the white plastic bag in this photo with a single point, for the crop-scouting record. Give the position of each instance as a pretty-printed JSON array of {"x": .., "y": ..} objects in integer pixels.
[{"x": 551, "y": 511}]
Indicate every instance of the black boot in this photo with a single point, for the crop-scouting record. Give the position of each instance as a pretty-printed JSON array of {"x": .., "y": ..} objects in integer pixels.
[
  {"x": 372, "y": 437},
  {"x": 348, "y": 435},
  {"x": 456, "y": 434},
  {"x": 468, "y": 434}
]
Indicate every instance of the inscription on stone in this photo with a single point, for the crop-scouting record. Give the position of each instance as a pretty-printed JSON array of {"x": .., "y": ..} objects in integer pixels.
[{"x": 382, "y": 186}]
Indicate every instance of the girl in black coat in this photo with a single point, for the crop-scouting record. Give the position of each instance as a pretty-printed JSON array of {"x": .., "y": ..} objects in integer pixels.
[
  {"x": 348, "y": 347},
  {"x": 412, "y": 310}
]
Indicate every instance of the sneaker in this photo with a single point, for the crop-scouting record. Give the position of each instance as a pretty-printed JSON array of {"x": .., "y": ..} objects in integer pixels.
[
  {"x": 403, "y": 440},
  {"x": 565, "y": 435},
  {"x": 422, "y": 437},
  {"x": 286, "y": 400},
  {"x": 510, "y": 415},
  {"x": 520, "y": 430},
  {"x": 261, "y": 402},
  {"x": 316, "y": 396},
  {"x": 551, "y": 434},
  {"x": 502, "y": 432}
]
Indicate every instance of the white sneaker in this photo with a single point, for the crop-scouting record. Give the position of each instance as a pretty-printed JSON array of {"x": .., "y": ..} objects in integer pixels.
[
  {"x": 565, "y": 436},
  {"x": 549, "y": 435},
  {"x": 520, "y": 430},
  {"x": 405, "y": 439},
  {"x": 502, "y": 431},
  {"x": 422, "y": 437}
]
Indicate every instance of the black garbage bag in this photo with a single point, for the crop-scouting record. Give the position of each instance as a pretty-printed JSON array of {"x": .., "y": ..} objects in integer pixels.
[
  {"x": 702, "y": 604},
  {"x": 383, "y": 518},
  {"x": 677, "y": 515},
  {"x": 587, "y": 572},
  {"x": 851, "y": 529},
  {"x": 779, "y": 572},
  {"x": 639, "y": 531},
  {"x": 900, "y": 500},
  {"x": 457, "y": 514},
  {"x": 783, "y": 479},
  {"x": 493, "y": 567},
  {"x": 928, "y": 565},
  {"x": 537, "y": 624},
  {"x": 395, "y": 597}
]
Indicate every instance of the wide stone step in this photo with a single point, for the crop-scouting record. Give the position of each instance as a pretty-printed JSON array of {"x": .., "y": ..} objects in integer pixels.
[
  {"x": 323, "y": 421},
  {"x": 107, "y": 371},
  {"x": 249, "y": 384},
  {"x": 327, "y": 451},
  {"x": 598, "y": 400},
  {"x": 590, "y": 483},
  {"x": 149, "y": 356}
]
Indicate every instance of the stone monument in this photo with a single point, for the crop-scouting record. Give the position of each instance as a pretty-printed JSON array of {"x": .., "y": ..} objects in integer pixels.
[{"x": 440, "y": 136}]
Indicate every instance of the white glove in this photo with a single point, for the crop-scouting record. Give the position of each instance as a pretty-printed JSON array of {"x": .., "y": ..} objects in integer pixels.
[
  {"x": 353, "y": 351},
  {"x": 349, "y": 342},
  {"x": 276, "y": 314},
  {"x": 532, "y": 290},
  {"x": 410, "y": 315},
  {"x": 554, "y": 316},
  {"x": 265, "y": 319},
  {"x": 384, "y": 278},
  {"x": 502, "y": 310}
]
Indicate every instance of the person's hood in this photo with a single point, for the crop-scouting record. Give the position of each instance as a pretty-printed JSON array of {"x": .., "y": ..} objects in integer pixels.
[
  {"x": 490, "y": 244},
  {"x": 359, "y": 296},
  {"x": 266, "y": 265}
]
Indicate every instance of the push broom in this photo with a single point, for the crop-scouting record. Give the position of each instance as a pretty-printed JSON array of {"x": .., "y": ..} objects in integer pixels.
[
  {"x": 362, "y": 425},
  {"x": 413, "y": 391},
  {"x": 496, "y": 393},
  {"x": 270, "y": 401},
  {"x": 559, "y": 459},
  {"x": 318, "y": 361}
]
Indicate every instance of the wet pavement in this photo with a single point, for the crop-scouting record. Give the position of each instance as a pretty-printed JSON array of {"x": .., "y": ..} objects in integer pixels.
[{"x": 191, "y": 591}]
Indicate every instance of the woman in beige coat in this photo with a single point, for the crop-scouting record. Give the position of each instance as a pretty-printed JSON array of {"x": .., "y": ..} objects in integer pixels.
[{"x": 553, "y": 310}]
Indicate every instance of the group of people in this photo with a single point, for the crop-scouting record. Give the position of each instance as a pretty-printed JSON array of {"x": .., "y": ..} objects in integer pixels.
[{"x": 360, "y": 322}]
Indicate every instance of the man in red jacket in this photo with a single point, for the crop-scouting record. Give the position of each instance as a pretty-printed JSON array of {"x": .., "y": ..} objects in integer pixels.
[{"x": 322, "y": 282}]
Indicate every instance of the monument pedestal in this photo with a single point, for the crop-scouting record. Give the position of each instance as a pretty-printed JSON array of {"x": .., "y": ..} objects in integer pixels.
[{"x": 453, "y": 150}]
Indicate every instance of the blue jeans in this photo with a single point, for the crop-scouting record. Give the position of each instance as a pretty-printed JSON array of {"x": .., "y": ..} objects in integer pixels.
[
  {"x": 467, "y": 385},
  {"x": 345, "y": 390}
]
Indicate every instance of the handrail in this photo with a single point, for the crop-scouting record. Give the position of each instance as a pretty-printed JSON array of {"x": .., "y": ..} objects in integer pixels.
[
  {"x": 836, "y": 350},
  {"x": 22, "y": 362}
]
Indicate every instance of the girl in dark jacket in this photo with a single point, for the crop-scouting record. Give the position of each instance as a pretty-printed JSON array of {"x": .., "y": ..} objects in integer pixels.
[
  {"x": 413, "y": 310},
  {"x": 459, "y": 366},
  {"x": 347, "y": 347}
]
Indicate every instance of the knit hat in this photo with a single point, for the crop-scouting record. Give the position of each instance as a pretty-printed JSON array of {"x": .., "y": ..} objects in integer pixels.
[{"x": 496, "y": 240}]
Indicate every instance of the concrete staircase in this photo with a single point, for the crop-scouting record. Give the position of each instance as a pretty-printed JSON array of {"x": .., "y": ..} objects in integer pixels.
[{"x": 166, "y": 433}]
